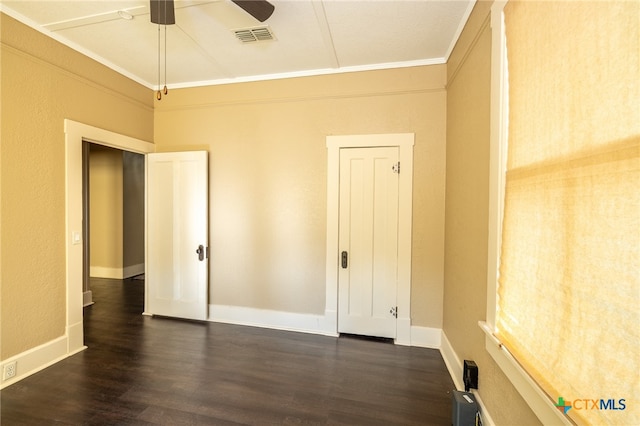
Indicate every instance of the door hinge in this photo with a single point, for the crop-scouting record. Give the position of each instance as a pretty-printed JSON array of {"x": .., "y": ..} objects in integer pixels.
[
  {"x": 396, "y": 168},
  {"x": 394, "y": 311}
]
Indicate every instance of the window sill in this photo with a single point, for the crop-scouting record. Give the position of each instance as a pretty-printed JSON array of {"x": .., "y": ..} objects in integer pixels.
[{"x": 542, "y": 406}]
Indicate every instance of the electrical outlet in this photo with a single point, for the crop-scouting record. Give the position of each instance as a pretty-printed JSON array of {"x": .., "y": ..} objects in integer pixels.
[
  {"x": 9, "y": 370},
  {"x": 470, "y": 375}
]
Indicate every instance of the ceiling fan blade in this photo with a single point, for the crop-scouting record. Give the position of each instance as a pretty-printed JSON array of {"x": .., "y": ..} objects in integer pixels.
[
  {"x": 162, "y": 12},
  {"x": 259, "y": 9}
]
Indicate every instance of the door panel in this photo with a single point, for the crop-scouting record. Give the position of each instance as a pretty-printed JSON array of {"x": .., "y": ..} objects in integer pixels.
[
  {"x": 368, "y": 231},
  {"x": 177, "y": 224}
]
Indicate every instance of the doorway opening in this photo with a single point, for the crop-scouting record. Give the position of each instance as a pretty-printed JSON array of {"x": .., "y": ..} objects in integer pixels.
[
  {"x": 113, "y": 214},
  {"x": 75, "y": 135}
]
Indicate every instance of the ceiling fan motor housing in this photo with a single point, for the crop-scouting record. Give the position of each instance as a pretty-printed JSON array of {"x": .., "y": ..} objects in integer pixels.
[{"x": 162, "y": 12}]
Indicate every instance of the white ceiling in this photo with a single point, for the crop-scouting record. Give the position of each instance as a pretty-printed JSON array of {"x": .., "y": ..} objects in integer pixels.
[{"x": 311, "y": 36}]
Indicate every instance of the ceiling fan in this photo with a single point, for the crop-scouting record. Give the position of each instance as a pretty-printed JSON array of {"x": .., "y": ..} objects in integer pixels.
[{"x": 162, "y": 11}]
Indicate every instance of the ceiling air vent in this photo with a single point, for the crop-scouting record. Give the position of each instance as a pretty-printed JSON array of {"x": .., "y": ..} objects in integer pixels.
[{"x": 251, "y": 35}]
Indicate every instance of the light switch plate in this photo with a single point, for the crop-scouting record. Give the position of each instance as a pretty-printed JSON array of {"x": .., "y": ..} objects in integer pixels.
[{"x": 76, "y": 237}]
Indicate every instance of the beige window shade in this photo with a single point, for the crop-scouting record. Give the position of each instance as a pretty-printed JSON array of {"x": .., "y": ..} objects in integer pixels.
[{"x": 569, "y": 284}]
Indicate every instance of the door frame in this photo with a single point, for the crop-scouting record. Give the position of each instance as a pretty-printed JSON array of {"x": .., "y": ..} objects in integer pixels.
[
  {"x": 75, "y": 134},
  {"x": 405, "y": 143}
]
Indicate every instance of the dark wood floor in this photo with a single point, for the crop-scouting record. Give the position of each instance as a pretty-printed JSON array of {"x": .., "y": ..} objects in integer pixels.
[{"x": 140, "y": 370}]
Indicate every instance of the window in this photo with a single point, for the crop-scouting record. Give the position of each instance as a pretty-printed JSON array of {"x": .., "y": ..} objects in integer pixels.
[{"x": 566, "y": 218}]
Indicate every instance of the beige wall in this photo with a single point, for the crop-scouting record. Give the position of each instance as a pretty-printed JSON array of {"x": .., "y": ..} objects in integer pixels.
[
  {"x": 268, "y": 173},
  {"x": 117, "y": 212},
  {"x": 467, "y": 203},
  {"x": 43, "y": 83},
  {"x": 106, "y": 208}
]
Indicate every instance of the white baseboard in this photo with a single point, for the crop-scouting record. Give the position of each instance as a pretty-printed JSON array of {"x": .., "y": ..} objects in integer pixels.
[
  {"x": 105, "y": 272},
  {"x": 40, "y": 357},
  {"x": 455, "y": 367},
  {"x": 453, "y": 363},
  {"x": 305, "y": 323},
  {"x": 426, "y": 337},
  {"x": 116, "y": 273},
  {"x": 87, "y": 298},
  {"x": 487, "y": 420},
  {"x": 133, "y": 270},
  {"x": 75, "y": 338},
  {"x": 326, "y": 325}
]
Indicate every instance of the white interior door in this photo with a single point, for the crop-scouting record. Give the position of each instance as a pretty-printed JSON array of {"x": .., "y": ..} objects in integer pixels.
[
  {"x": 177, "y": 235},
  {"x": 368, "y": 241}
]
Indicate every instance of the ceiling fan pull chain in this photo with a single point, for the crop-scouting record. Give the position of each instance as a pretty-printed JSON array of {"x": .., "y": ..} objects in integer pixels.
[
  {"x": 158, "y": 93},
  {"x": 165, "y": 90}
]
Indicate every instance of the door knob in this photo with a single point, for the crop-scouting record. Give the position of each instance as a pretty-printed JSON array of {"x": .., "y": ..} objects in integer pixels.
[{"x": 345, "y": 261}]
